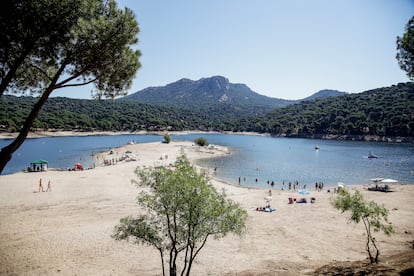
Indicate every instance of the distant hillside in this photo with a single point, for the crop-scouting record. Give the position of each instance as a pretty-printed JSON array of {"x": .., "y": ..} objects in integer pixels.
[
  {"x": 324, "y": 94},
  {"x": 382, "y": 112},
  {"x": 217, "y": 94},
  {"x": 96, "y": 115},
  {"x": 212, "y": 93}
]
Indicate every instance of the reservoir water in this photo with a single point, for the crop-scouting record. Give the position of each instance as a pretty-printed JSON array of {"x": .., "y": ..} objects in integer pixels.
[{"x": 253, "y": 157}]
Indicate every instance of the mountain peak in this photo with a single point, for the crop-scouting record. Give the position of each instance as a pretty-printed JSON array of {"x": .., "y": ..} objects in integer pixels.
[
  {"x": 184, "y": 80},
  {"x": 215, "y": 83},
  {"x": 324, "y": 94},
  {"x": 216, "y": 91}
]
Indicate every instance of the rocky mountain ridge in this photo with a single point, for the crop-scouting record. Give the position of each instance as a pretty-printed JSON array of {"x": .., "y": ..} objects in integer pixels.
[{"x": 213, "y": 91}]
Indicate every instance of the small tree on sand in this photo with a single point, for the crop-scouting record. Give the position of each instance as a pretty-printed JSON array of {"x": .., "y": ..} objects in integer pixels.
[
  {"x": 167, "y": 138},
  {"x": 201, "y": 141},
  {"x": 370, "y": 213},
  {"x": 182, "y": 210}
]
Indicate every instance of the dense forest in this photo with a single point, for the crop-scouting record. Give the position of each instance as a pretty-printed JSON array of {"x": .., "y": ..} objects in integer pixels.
[
  {"x": 382, "y": 112},
  {"x": 95, "y": 115}
]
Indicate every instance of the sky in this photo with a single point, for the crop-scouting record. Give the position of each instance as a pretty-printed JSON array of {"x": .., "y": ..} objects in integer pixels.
[{"x": 285, "y": 49}]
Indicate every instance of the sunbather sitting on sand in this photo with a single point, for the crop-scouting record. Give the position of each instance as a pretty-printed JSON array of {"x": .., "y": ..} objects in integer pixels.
[{"x": 267, "y": 208}]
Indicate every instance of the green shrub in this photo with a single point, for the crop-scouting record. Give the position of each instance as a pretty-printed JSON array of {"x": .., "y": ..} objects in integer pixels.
[
  {"x": 201, "y": 141},
  {"x": 167, "y": 138}
]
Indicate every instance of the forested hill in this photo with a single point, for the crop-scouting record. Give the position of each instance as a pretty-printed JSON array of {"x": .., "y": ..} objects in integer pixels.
[
  {"x": 215, "y": 94},
  {"x": 324, "y": 94},
  {"x": 381, "y": 112},
  {"x": 94, "y": 115}
]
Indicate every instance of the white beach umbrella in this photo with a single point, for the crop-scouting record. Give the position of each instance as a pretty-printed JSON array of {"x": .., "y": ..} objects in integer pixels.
[{"x": 389, "y": 180}]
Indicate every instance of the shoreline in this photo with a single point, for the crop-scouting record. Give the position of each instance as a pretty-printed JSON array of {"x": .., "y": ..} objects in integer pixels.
[
  {"x": 74, "y": 221},
  {"x": 155, "y": 133},
  {"x": 43, "y": 134},
  {"x": 363, "y": 138}
]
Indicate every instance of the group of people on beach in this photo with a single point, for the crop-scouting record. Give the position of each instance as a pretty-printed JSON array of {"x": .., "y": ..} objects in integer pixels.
[
  {"x": 289, "y": 185},
  {"x": 109, "y": 162},
  {"x": 294, "y": 185},
  {"x": 49, "y": 186},
  {"x": 318, "y": 186}
]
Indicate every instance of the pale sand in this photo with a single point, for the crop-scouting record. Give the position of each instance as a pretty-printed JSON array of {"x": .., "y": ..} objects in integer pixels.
[{"x": 67, "y": 231}]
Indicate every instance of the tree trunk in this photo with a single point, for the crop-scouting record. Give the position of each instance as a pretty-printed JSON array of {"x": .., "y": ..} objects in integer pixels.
[
  {"x": 6, "y": 153},
  {"x": 190, "y": 263},
  {"x": 376, "y": 249},
  {"x": 162, "y": 261},
  {"x": 173, "y": 270},
  {"x": 173, "y": 264}
]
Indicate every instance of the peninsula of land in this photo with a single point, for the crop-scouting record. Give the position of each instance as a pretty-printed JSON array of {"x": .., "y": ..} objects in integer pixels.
[{"x": 67, "y": 230}]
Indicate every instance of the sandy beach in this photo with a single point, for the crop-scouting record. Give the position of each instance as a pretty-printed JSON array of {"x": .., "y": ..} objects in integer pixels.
[{"x": 68, "y": 231}]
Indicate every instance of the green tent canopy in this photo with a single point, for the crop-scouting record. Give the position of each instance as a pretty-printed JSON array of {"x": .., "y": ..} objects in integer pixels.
[
  {"x": 39, "y": 161},
  {"x": 38, "y": 165}
]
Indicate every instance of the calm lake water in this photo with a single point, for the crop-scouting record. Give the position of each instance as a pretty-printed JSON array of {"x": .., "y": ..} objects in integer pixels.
[{"x": 253, "y": 157}]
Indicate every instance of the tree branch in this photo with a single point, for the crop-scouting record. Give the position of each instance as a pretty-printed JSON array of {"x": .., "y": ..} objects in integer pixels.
[
  {"x": 77, "y": 84},
  {"x": 41, "y": 71},
  {"x": 60, "y": 84}
]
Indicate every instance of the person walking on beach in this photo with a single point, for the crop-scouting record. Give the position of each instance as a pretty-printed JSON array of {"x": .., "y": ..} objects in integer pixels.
[
  {"x": 49, "y": 187},
  {"x": 40, "y": 185}
]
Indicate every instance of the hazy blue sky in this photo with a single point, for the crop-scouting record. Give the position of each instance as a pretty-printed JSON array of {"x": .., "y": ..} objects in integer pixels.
[{"x": 285, "y": 49}]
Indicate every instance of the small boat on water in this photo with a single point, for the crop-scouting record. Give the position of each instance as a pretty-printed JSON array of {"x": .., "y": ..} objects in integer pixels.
[
  {"x": 370, "y": 155},
  {"x": 317, "y": 147}
]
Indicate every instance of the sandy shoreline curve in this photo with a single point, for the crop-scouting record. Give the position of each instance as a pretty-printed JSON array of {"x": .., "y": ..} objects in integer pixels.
[{"x": 67, "y": 231}]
